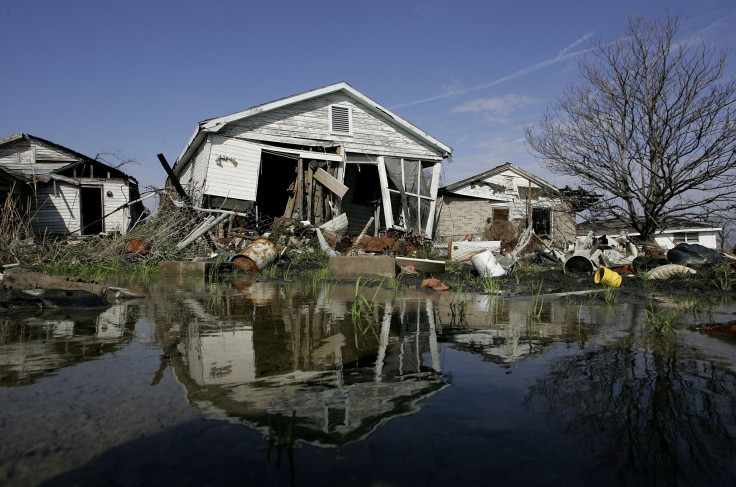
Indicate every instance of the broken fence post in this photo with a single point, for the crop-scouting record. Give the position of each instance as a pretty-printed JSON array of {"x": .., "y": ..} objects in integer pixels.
[{"x": 354, "y": 250}]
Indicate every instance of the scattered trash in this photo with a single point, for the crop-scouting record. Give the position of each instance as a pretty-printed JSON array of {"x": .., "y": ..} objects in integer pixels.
[
  {"x": 257, "y": 256},
  {"x": 642, "y": 263},
  {"x": 486, "y": 265},
  {"x": 607, "y": 277},
  {"x": 337, "y": 224},
  {"x": 694, "y": 254},
  {"x": 137, "y": 247},
  {"x": 421, "y": 265},
  {"x": 464, "y": 250},
  {"x": 435, "y": 284},
  {"x": 579, "y": 262},
  {"x": 324, "y": 246},
  {"x": 669, "y": 270},
  {"x": 625, "y": 270}
]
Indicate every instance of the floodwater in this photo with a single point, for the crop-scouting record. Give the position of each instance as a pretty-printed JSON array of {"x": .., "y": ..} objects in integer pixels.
[{"x": 258, "y": 383}]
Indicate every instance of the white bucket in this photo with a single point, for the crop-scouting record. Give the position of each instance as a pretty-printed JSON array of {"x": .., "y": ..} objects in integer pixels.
[{"x": 486, "y": 265}]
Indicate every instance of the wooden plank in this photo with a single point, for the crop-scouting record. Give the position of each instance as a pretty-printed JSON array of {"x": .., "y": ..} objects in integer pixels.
[
  {"x": 310, "y": 194},
  {"x": 385, "y": 195},
  {"x": 330, "y": 182}
]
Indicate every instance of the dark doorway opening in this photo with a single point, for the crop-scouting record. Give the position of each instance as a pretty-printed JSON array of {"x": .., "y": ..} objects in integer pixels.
[
  {"x": 363, "y": 195},
  {"x": 276, "y": 183},
  {"x": 91, "y": 210}
]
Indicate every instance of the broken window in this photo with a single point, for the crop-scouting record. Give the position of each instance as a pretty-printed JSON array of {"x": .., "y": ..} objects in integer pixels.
[
  {"x": 542, "y": 221},
  {"x": 687, "y": 237},
  {"x": 410, "y": 193},
  {"x": 500, "y": 214}
]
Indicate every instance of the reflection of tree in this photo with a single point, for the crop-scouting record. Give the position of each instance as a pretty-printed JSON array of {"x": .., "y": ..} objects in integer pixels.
[{"x": 651, "y": 417}]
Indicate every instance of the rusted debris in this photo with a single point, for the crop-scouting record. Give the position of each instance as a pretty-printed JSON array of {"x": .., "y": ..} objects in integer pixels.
[
  {"x": 137, "y": 247},
  {"x": 435, "y": 284},
  {"x": 728, "y": 329},
  {"x": 257, "y": 256}
]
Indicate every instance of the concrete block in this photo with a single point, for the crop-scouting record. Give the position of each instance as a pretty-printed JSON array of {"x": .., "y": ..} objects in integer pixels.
[
  {"x": 190, "y": 268},
  {"x": 355, "y": 266}
]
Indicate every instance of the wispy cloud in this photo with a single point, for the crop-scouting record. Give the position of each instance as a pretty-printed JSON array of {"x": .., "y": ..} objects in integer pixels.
[
  {"x": 498, "y": 106},
  {"x": 576, "y": 43},
  {"x": 450, "y": 92}
]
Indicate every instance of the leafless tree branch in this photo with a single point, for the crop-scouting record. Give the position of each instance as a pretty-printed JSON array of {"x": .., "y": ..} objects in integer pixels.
[{"x": 651, "y": 128}]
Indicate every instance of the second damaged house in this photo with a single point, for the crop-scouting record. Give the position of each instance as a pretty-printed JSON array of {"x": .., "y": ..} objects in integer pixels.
[
  {"x": 314, "y": 156},
  {"x": 503, "y": 201},
  {"x": 65, "y": 192}
]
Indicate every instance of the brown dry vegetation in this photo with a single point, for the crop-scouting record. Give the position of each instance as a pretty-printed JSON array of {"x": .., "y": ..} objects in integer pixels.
[{"x": 161, "y": 233}]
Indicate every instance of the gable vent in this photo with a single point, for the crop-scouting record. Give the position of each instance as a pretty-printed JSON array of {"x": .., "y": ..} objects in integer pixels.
[{"x": 340, "y": 120}]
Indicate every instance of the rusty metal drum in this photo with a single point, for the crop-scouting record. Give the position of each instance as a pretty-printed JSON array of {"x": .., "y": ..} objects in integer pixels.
[{"x": 256, "y": 256}]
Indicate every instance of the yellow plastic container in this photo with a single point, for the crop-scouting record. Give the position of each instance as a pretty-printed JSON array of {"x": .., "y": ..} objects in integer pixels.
[{"x": 607, "y": 277}]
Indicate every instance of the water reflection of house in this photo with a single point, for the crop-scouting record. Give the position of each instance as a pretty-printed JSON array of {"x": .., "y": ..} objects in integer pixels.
[
  {"x": 33, "y": 347},
  {"x": 504, "y": 331},
  {"x": 340, "y": 377}
]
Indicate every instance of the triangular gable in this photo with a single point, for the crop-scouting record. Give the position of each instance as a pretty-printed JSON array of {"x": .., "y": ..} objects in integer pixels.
[
  {"x": 214, "y": 125},
  {"x": 62, "y": 167},
  {"x": 498, "y": 170}
]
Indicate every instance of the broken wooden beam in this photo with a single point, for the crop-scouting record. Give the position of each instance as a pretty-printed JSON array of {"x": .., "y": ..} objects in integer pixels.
[
  {"x": 174, "y": 180},
  {"x": 330, "y": 182}
]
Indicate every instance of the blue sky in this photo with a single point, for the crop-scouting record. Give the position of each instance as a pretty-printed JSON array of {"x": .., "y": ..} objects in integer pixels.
[{"x": 134, "y": 78}]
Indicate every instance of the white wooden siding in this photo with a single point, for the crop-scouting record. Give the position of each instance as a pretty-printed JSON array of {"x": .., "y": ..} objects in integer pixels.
[
  {"x": 311, "y": 120},
  {"x": 193, "y": 176},
  {"x": 120, "y": 220},
  {"x": 48, "y": 153},
  {"x": 232, "y": 169},
  {"x": 22, "y": 156},
  {"x": 57, "y": 209},
  {"x": 482, "y": 191}
]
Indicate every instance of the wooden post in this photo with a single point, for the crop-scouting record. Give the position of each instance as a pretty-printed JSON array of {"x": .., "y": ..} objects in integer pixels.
[
  {"x": 309, "y": 192},
  {"x": 529, "y": 221},
  {"x": 174, "y": 179},
  {"x": 299, "y": 188}
]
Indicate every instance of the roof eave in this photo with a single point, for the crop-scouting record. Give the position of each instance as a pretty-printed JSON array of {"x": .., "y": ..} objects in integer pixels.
[{"x": 215, "y": 124}]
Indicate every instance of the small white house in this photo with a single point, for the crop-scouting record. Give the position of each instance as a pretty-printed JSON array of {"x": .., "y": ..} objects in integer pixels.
[
  {"x": 675, "y": 233},
  {"x": 314, "y": 156},
  {"x": 64, "y": 191}
]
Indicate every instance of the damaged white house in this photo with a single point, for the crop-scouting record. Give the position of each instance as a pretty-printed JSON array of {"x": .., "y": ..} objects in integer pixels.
[
  {"x": 314, "y": 156},
  {"x": 66, "y": 192}
]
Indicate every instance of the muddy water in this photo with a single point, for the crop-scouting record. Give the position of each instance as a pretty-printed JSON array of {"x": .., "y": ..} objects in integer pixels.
[{"x": 259, "y": 383}]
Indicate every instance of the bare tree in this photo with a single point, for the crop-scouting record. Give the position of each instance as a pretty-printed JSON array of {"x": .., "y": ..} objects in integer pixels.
[
  {"x": 114, "y": 159},
  {"x": 651, "y": 128}
]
